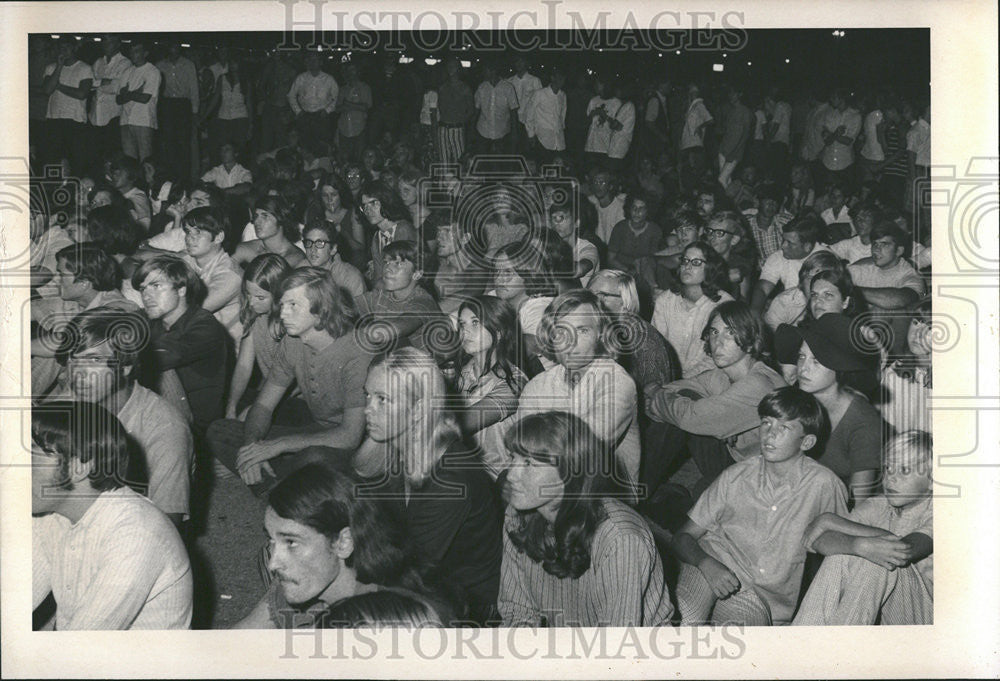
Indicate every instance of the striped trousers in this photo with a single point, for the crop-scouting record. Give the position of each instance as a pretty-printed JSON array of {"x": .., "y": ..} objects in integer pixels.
[
  {"x": 451, "y": 143},
  {"x": 698, "y": 604},
  {"x": 851, "y": 590}
]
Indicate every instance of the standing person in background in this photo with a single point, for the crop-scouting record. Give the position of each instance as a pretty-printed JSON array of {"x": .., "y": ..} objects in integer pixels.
[
  {"x": 456, "y": 105},
  {"x": 737, "y": 131},
  {"x": 233, "y": 103},
  {"x": 839, "y": 128},
  {"x": 353, "y": 103},
  {"x": 873, "y": 151},
  {"x": 812, "y": 138},
  {"x": 104, "y": 109},
  {"x": 546, "y": 116},
  {"x": 178, "y": 107},
  {"x": 313, "y": 99},
  {"x": 777, "y": 134},
  {"x": 138, "y": 96},
  {"x": 525, "y": 84},
  {"x": 692, "y": 144},
  {"x": 276, "y": 80},
  {"x": 656, "y": 133},
  {"x": 622, "y": 124},
  {"x": 495, "y": 100},
  {"x": 67, "y": 83}
]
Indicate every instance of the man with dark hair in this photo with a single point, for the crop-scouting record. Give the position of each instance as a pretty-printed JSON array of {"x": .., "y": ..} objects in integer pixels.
[
  {"x": 67, "y": 83},
  {"x": 840, "y": 127},
  {"x": 124, "y": 175},
  {"x": 178, "y": 107},
  {"x": 456, "y": 105},
  {"x": 738, "y": 125},
  {"x": 138, "y": 96},
  {"x": 495, "y": 99},
  {"x": 313, "y": 98},
  {"x": 321, "y": 353},
  {"x": 204, "y": 232},
  {"x": 800, "y": 238},
  {"x": 766, "y": 221},
  {"x": 102, "y": 365},
  {"x": 104, "y": 110},
  {"x": 189, "y": 347},
  {"x": 886, "y": 279},
  {"x": 109, "y": 557},
  {"x": 171, "y": 240},
  {"x": 353, "y": 102},
  {"x": 90, "y": 278}
]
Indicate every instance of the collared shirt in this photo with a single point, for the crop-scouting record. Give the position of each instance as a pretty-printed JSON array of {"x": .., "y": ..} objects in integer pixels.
[
  {"x": 163, "y": 435},
  {"x": 755, "y": 526},
  {"x": 220, "y": 272},
  {"x": 783, "y": 117},
  {"x": 918, "y": 141},
  {"x": 105, "y": 108},
  {"x": 180, "y": 80},
  {"x": 624, "y": 585},
  {"x": 311, "y": 93},
  {"x": 524, "y": 86},
  {"x": 621, "y": 139},
  {"x": 61, "y": 105},
  {"x": 121, "y": 566},
  {"x": 681, "y": 323},
  {"x": 837, "y": 155},
  {"x": 738, "y": 126},
  {"x": 697, "y": 115},
  {"x": 492, "y": 391},
  {"x": 147, "y": 77},
  {"x": 332, "y": 380},
  {"x": 604, "y": 397},
  {"x": 725, "y": 409},
  {"x": 546, "y": 118},
  {"x": 768, "y": 240},
  {"x": 225, "y": 179},
  {"x": 495, "y": 102},
  {"x": 901, "y": 275},
  {"x": 915, "y": 517},
  {"x": 599, "y": 135},
  {"x": 779, "y": 268},
  {"x": 197, "y": 346}
]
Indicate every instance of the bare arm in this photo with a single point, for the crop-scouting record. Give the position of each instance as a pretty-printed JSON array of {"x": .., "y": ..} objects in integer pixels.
[
  {"x": 761, "y": 292},
  {"x": 241, "y": 375},
  {"x": 685, "y": 546},
  {"x": 888, "y": 298}
]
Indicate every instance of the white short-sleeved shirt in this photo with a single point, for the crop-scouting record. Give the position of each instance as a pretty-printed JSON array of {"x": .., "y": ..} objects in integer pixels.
[
  {"x": 697, "y": 115},
  {"x": 783, "y": 117},
  {"x": 837, "y": 156},
  {"x": 778, "y": 268},
  {"x": 918, "y": 141},
  {"x": 105, "y": 107},
  {"x": 851, "y": 249},
  {"x": 61, "y": 105},
  {"x": 148, "y": 78},
  {"x": 495, "y": 103},
  {"x": 867, "y": 274},
  {"x": 225, "y": 179}
]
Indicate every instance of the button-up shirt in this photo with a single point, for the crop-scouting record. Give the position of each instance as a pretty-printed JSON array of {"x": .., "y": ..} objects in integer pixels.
[
  {"x": 146, "y": 77},
  {"x": 495, "y": 102},
  {"x": 61, "y": 105},
  {"x": 523, "y": 87},
  {"x": 180, "y": 80},
  {"x": 837, "y": 155},
  {"x": 546, "y": 118},
  {"x": 755, "y": 525},
  {"x": 121, "y": 566},
  {"x": 311, "y": 93},
  {"x": 105, "y": 107}
]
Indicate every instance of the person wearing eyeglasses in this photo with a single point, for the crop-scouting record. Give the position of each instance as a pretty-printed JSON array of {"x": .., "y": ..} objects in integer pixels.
[
  {"x": 727, "y": 234},
  {"x": 381, "y": 206},
  {"x": 324, "y": 244},
  {"x": 680, "y": 313}
]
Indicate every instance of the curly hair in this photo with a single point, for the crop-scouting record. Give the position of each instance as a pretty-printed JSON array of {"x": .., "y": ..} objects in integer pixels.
[
  {"x": 114, "y": 229},
  {"x": 716, "y": 271},
  {"x": 589, "y": 472},
  {"x": 550, "y": 334}
]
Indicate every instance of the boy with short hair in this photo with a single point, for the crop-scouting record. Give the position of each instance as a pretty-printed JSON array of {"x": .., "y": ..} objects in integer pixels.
[
  {"x": 879, "y": 560},
  {"x": 204, "y": 233},
  {"x": 742, "y": 549}
]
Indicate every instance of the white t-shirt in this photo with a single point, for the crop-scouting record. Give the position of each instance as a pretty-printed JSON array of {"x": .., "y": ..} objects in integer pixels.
[
  {"x": 783, "y": 117},
  {"x": 778, "y": 268},
  {"x": 621, "y": 139},
  {"x": 148, "y": 78},
  {"x": 224, "y": 179},
  {"x": 599, "y": 136},
  {"x": 918, "y": 140},
  {"x": 608, "y": 216},
  {"x": 851, "y": 249},
  {"x": 61, "y": 105},
  {"x": 697, "y": 115}
]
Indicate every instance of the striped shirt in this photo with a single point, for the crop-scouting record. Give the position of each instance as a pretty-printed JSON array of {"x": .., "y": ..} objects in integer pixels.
[
  {"x": 121, "y": 566},
  {"x": 624, "y": 585}
]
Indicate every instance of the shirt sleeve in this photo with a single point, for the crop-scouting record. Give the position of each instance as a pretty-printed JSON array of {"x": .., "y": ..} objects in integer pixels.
[
  {"x": 653, "y": 110},
  {"x": 169, "y": 455},
  {"x": 202, "y": 338},
  {"x": 710, "y": 506},
  {"x": 622, "y": 575},
  {"x": 293, "y": 94},
  {"x": 722, "y": 415},
  {"x": 912, "y": 281},
  {"x": 331, "y": 100},
  {"x": 41, "y": 561},
  {"x": 612, "y": 408},
  {"x": 151, "y": 83},
  {"x": 771, "y": 271},
  {"x": 282, "y": 372}
]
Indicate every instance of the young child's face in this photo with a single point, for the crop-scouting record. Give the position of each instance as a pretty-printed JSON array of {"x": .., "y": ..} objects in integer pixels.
[
  {"x": 906, "y": 478},
  {"x": 781, "y": 440}
]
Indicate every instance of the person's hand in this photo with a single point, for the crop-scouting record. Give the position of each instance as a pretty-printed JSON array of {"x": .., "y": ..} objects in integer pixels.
[
  {"x": 255, "y": 474},
  {"x": 887, "y": 551},
  {"x": 840, "y": 130},
  {"x": 252, "y": 457},
  {"x": 723, "y": 581},
  {"x": 230, "y": 412}
]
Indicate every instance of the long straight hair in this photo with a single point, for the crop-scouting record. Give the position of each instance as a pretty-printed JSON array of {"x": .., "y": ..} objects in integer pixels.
[
  {"x": 502, "y": 359},
  {"x": 590, "y": 472},
  {"x": 265, "y": 271}
]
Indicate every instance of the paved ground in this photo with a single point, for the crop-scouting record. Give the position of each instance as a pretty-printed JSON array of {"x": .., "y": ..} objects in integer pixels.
[{"x": 226, "y": 553}]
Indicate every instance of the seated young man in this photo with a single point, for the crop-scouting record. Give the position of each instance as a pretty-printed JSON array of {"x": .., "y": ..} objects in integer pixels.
[
  {"x": 800, "y": 238},
  {"x": 171, "y": 239},
  {"x": 321, "y": 353},
  {"x": 188, "y": 346},
  {"x": 879, "y": 563},
  {"x": 102, "y": 367},
  {"x": 108, "y": 556},
  {"x": 462, "y": 270},
  {"x": 401, "y": 302},
  {"x": 741, "y": 550},
  {"x": 204, "y": 232},
  {"x": 229, "y": 176},
  {"x": 125, "y": 174}
]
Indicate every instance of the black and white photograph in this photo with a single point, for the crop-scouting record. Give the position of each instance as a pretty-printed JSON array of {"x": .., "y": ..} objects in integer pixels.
[{"x": 542, "y": 340}]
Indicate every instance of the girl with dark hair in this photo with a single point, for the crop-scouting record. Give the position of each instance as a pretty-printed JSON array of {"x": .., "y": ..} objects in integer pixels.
[
  {"x": 328, "y": 542},
  {"x": 715, "y": 413},
  {"x": 384, "y": 210},
  {"x": 333, "y": 205},
  {"x": 276, "y": 232},
  {"x": 449, "y": 504},
  {"x": 573, "y": 549},
  {"x": 522, "y": 279},
  {"x": 833, "y": 291},
  {"x": 491, "y": 379},
  {"x": 832, "y": 367},
  {"x": 261, "y": 334},
  {"x": 680, "y": 314}
]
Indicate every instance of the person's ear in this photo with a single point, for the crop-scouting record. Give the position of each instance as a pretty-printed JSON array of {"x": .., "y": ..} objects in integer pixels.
[
  {"x": 417, "y": 274},
  {"x": 182, "y": 292},
  {"x": 847, "y": 302},
  {"x": 736, "y": 239},
  {"x": 808, "y": 442},
  {"x": 217, "y": 239},
  {"x": 899, "y": 251},
  {"x": 344, "y": 546},
  {"x": 78, "y": 470}
]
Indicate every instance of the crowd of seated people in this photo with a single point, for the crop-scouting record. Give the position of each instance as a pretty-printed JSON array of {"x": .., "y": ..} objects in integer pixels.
[{"x": 474, "y": 410}]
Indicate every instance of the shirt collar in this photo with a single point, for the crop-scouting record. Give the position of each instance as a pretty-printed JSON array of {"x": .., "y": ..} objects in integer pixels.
[{"x": 792, "y": 478}]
